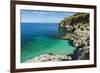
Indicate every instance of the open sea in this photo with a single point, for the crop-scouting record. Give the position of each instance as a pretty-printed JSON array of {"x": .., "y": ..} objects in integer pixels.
[{"x": 43, "y": 38}]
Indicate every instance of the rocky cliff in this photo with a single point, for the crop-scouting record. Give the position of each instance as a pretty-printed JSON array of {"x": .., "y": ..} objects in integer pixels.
[{"x": 78, "y": 25}]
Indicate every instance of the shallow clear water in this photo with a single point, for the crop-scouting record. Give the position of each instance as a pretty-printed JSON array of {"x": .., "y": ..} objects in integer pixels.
[{"x": 42, "y": 38}]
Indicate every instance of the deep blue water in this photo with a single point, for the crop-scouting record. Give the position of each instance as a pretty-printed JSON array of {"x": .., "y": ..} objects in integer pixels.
[{"x": 31, "y": 30}]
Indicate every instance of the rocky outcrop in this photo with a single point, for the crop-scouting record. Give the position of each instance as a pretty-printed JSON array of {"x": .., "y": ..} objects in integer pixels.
[
  {"x": 49, "y": 57},
  {"x": 78, "y": 24}
]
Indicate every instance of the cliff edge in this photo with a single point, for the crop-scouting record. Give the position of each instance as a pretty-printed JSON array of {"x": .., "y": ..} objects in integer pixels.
[{"x": 78, "y": 26}]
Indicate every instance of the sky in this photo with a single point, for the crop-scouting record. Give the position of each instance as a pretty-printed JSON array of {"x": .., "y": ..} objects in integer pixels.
[{"x": 34, "y": 16}]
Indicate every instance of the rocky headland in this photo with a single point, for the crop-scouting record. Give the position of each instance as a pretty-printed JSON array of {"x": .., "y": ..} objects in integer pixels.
[{"x": 78, "y": 26}]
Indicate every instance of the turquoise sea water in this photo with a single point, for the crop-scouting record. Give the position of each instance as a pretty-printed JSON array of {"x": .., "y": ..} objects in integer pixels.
[{"x": 42, "y": 38}]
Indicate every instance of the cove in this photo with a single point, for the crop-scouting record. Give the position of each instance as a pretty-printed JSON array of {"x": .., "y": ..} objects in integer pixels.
[{"x": 42, "y": 38}]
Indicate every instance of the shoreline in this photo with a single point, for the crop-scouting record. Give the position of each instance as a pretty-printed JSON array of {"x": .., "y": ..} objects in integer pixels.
[
  {"x": 78, "y": 25},
  {"x": 79, "y": 35},
  {"x": 49, "y": 57}
]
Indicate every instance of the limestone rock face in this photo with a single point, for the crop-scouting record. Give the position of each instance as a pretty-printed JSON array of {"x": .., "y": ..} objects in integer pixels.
[
  {"x": 78, "y": 24},
  {"x": 49, "y": 57}
]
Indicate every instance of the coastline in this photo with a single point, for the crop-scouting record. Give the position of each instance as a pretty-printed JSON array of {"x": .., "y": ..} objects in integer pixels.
[
  {"x": 49, "y": 57},
  {"x": 78, "y": 26}
]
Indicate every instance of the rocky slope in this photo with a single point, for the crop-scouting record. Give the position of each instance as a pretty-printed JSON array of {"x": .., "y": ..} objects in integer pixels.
[
  {"x": 49, "y": 57},
  {"x": 78, "y": 25}
]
